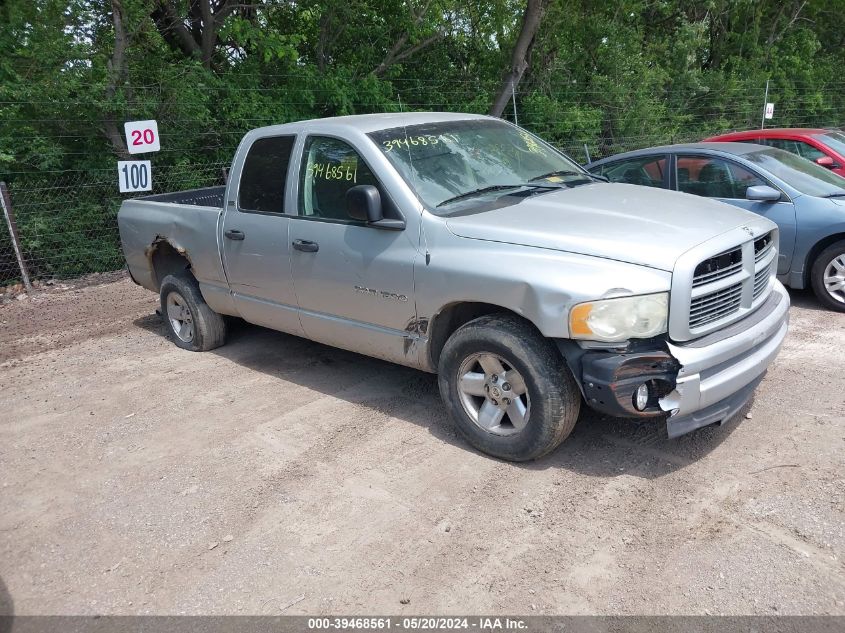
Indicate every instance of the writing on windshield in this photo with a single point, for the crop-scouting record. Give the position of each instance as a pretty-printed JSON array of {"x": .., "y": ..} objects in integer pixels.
[{"x": 445, "y": 161}]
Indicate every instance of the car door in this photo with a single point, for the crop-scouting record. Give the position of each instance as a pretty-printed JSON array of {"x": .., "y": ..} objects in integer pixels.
[
  {"x": 728, "y": 181},
  {"x": 254, "y": 237},
  {"x": 354, "y": 283}
]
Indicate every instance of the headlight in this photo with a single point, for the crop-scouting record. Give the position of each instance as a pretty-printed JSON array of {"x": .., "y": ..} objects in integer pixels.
[{"x": 620, "y": 319}]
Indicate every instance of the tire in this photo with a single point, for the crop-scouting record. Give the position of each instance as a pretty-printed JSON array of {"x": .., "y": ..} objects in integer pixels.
[
  {"x": 181, "y": 302},
  {"x": 550, "y": 399},
  {"x": 830, "y": 263}
]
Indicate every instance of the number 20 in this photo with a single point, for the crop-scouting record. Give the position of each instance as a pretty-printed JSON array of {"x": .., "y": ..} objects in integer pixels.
[{"x": 147, "y": 136}]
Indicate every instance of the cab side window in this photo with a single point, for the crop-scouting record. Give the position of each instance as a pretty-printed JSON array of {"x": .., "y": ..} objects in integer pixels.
[
  {"x": 330, "y": 167},
  {"x": 265, "y": 170},
  {"x": 714, "y": 177},
  {"x": 647, "y": 171}
]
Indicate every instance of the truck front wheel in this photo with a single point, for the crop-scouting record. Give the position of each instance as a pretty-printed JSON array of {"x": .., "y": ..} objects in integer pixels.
[
  {"x": 191, "y": 323},
  {"x": 507, "y": 388}
]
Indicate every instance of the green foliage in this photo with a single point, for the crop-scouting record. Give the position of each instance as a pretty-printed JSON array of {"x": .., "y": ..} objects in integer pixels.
[{"x": 612, "y": 76}]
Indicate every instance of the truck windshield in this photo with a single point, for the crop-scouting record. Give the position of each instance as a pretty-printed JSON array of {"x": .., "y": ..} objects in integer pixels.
[
  {"x": 799, "y": 173},
  {"x": 450, "y": 162}
]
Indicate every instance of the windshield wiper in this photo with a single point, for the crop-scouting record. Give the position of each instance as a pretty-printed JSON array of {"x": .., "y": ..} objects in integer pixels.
[
  {"x": 838, "y": 194},
  {"x": 558, "y": 172},
  {"x": 583, "y": 178},
  {"x": 483, "y": 190}
]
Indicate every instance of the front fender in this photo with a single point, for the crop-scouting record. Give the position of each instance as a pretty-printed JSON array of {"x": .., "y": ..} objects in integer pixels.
[{"x": 539, "y": 284}]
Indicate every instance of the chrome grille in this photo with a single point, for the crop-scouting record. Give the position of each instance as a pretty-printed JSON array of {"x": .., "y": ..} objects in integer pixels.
[
  {"x": 715, "y": 305},
  {"x": 761, "y": 280},
  {"x": 730, "y": 284},
  {"x": 762, "y": 246},
  {"x": 718, "y": 267}
]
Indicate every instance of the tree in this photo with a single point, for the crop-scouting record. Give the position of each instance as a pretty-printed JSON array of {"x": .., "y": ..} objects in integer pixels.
[
  {"x": 196, "y": 35},
  {"x": 531, "y": 19}
]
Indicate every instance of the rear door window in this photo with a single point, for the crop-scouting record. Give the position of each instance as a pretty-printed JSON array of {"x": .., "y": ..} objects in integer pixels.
[
  {"x": 714, "y": 177},
  {"x": 262, "y": 188},
  {"x": 648, "y": 171}
]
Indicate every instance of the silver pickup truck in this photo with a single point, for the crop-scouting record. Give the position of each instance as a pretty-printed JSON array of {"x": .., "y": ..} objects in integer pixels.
[{"x": 466, "y": 246}]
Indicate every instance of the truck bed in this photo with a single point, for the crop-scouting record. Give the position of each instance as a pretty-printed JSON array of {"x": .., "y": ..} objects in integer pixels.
[{"x": 187, "y": 221}]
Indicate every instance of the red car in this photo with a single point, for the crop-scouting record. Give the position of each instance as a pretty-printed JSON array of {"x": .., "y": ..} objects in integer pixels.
[{"x": 823, "y": 146}]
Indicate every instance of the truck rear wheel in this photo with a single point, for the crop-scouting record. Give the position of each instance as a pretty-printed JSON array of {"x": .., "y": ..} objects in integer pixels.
[
  {"x": 507, "y": 389},
  {"x": 191, "y": 323},
  {"x": 828, "y": 276}
]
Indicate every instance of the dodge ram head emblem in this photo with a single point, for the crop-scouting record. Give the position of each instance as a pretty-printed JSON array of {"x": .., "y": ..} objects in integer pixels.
[{"x": 748, "y": 230}]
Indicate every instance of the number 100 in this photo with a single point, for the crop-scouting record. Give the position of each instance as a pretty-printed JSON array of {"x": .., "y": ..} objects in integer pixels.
[{"x": 135, "y": 177}]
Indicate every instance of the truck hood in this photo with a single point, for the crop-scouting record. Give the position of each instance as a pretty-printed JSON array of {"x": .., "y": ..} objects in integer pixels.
[{"x": 629, "y": 223}]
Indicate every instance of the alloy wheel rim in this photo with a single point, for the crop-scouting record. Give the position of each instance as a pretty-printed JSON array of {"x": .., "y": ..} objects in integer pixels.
[
  {"x": 834, "y": 278},
  {"x": 493, "y": 394},
  {"x": 180, "y": 317}
]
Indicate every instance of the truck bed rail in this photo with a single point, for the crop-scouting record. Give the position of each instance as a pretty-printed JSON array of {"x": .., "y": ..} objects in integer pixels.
[{"x": 205, "y": 197}]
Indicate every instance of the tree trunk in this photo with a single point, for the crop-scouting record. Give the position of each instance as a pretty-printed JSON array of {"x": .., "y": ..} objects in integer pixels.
[
  {"x": 173, "y": 29},
  {"x": 205, "y": 18},
  {"x": 530, "y": 25},
  {"x": 208, "y": 37},
  {"x": 117, "y": 75}
]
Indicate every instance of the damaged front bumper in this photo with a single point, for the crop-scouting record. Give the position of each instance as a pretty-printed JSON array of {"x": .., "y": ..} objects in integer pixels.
[
  {"x": 699, "y": 383},
  {"x": 719, "y": 372}
]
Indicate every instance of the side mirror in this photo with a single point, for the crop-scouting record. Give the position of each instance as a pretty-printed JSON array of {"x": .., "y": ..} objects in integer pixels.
[
  {"x": 363, "y": 203},
  {"x": 762, "y": 193},
  {"x": 827, "y": 161}
]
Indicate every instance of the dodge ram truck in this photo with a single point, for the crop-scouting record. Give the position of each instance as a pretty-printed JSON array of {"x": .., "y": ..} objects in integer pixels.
[{"x": 468, "y": 247}]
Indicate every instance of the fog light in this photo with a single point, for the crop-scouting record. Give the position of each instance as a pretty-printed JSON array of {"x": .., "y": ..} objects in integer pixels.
[{"x": 641, "y": 397}]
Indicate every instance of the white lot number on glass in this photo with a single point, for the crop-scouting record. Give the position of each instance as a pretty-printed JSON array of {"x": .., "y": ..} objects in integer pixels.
[
  {"x": 141, "y": 136},
  {"x": 770, "y": 110},
  {"x": 134, "y": 175}
]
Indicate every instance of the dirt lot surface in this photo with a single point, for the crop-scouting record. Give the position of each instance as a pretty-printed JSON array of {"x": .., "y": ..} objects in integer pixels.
[{"x": 275, "y": 475}]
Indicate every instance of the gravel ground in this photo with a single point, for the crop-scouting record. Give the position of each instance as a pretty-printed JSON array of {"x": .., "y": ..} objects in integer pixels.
[{"x": 275, "y": 475}]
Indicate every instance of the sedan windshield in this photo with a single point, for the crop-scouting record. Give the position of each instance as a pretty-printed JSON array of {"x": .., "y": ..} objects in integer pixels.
[
  {"x": 799, "y": 173},
  {"x": 449, "y": 162}
]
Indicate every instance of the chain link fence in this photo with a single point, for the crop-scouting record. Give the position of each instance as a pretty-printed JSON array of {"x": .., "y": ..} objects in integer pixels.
[{"x": 67, "y": 221}]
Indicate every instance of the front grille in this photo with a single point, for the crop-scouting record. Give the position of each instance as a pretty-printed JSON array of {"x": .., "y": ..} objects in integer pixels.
[
  {"x": 730, "y": 284},
  {"x": 718, "y": 267},
  {"x": 762, "y": 247},
  {"x": 761, "y": 279},
  {"x": 715, "y": 305}
]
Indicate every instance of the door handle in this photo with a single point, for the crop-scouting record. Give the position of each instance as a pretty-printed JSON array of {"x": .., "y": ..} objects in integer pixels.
[
  {"x": 306, "y": 246},
  {"x": 234, "y": 235}
]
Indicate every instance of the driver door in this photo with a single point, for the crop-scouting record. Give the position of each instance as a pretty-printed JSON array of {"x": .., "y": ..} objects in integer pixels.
[{"x": 354, "y": 283}]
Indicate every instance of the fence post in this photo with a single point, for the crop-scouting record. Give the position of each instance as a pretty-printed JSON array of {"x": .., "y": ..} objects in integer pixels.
[{"x": 6, "y": 202}]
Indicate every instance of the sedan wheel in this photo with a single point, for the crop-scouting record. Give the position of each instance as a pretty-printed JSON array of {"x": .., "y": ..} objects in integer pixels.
[
  {"x": 827, "y": 276},
  {"x": 834, "y": 278}
]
